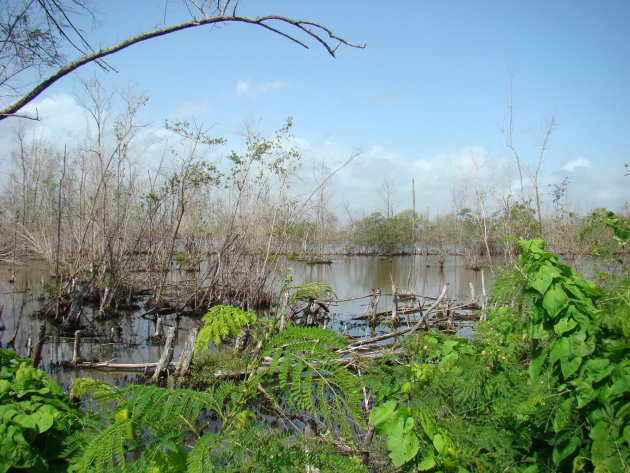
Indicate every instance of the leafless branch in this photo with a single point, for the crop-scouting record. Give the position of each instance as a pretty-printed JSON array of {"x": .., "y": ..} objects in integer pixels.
[{"x": 324, "y": 37}]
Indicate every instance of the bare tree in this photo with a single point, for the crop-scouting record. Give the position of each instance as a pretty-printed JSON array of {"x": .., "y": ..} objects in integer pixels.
[
  {"x": 544, "y": 138},
  {"x": 543, "y": 142},
  {"x": 385, "y": 192},
  {"x": 19, "y": 19},
  {"x": 508, "y": 132}
]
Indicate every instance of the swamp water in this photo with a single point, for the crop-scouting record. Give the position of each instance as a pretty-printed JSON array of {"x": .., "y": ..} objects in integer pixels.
[{"x": 127, "y": 338}]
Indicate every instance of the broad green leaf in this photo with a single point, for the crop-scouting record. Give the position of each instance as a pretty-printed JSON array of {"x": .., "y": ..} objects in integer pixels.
[
  {"x": 536, "y": 364},
  {"x": 565, "y": 324},
  {"x": 576, "y": 292},
  {"x": 582, "y": 319},
  {"x": 585, "y": 393},
  {"x": 579, "y": 345},
  {"x": 620, "y": 386},
  {"x": 395, "y": 424},
  {"x": 439, "y": 442},
  {"x": 544, "y": 278},
  {"x": 560, "y": 349},
  {"x": 560, "y": 454},
  {"x": 538, "y": 332},
  {"x": 44, "y": 420},
  {"x": 403, "y": 448},
  {"x": 602, "y": 447},
  {"x": 569, "y": 366},
  {"x": 382, "y": 413},
  {"x": 555, "y": 300},
  {"x": 427, "y": 462},
  {"x": 25, "y": 421},
  {"x": 5, "y": 387},
  {"x": 598, "y": 369}
]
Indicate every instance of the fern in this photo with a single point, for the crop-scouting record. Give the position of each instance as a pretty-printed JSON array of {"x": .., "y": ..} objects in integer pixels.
[
  {"x": 105, "y": 452},
  {"x": 311, "y": 380},
  {"x": 199, "y": 460},
  {"x": 220, "y": 322},
  {"x": 315, "y": 290},
  {"x": 99, "y": 391},
  {"x": 301, "y": 292},
  {"x": 150, "y": 421}
]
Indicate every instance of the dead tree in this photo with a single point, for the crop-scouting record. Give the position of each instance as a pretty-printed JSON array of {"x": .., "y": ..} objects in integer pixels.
[{"x": 297, "y": 31}]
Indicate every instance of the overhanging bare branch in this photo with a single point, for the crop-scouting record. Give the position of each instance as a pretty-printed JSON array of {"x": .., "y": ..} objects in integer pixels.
[{"x": 324, "y": 36}]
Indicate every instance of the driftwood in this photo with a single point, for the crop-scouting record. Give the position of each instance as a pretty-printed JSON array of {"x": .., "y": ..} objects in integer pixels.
[
  {"x": 413, "y": 310},
  {"x": 120, "y": 366},
  {"x": 403, "y": 331},
  {"x": 350, "y": 356}
]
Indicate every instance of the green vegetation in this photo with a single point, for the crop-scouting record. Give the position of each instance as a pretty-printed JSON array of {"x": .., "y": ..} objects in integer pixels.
[
  {"x": 388, "y": 235},
  {"x": 542, "y": 386},
  {"x": 37, "y": 418}
]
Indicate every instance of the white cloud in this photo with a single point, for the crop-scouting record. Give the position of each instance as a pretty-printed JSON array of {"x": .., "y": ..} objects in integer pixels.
[
  {"x": 189, "y": 109},
  {"x": 437, "y": 178},
  {"x": 571, "y": 166},
  {"x": 242, "y": 87},
  {"x": 245, "y": 88},
  {"x": 453, "y": 176}
]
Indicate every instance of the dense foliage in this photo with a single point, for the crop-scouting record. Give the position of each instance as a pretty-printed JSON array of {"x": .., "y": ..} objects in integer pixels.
[
  {"x": 37, "y": 418},
  {"x": 542, "y": 386}
]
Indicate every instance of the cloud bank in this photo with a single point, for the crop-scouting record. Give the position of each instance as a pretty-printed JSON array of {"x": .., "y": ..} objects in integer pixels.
[{"x": 452, "y": 176}]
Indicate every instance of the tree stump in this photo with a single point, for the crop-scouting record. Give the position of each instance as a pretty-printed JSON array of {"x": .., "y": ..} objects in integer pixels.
[{"x": 167, "y": 355}]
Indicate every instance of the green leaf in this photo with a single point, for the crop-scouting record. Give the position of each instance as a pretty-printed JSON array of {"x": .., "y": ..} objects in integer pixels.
[
  {"x": 427, "y": 462},
  {"x": 560, "y": 454},
  {"x": 560, "y": 349},
  {"x": 403, "y": 447},
  {"x": 25, "y": 421},
  {"x": 382, "y": 413},
  {"x": 44, "y": 420},
  {"x": 536, "y": 364},
  {"x": 565, "y": 324},
  {"x": 544, "y": 278},
  {"x": 555, "y": 300},
  {"x": 602, "y": 447},
  {"x": 598, "y": 369},
  {"x": 569, "y": 366},
  {"x": 439, "y": 443}
]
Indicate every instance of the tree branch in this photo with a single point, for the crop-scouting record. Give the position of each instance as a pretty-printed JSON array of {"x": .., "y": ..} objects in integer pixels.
[{"x": 304, "y": 26}]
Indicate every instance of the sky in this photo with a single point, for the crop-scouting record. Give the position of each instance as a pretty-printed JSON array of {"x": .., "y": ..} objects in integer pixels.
[{"x": 424, "y": 100}]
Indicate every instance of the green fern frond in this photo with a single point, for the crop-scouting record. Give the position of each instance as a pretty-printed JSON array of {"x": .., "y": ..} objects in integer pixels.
[
  {"x": 220, "y": 322},
  {"x": 316, "y": 290},
  {"x": 105, "y": 452},
  {"x": 304, "y": 360},
  {"x": 306, "y": 339},
  {"x": 199, "y": 460},
  {"x": 100, "y": 391},
  {"x": 160, "y": 407}
]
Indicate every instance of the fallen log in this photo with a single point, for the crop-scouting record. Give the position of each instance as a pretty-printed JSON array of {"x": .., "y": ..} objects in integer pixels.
[{"x": 120, "y": 366}]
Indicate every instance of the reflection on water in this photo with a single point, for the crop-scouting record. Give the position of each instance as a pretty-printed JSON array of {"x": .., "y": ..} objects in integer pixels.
[
  {"x": 129, "y": 341},
  {"x": 360, "y": 275},
  {"x": 357, "y": 276}
]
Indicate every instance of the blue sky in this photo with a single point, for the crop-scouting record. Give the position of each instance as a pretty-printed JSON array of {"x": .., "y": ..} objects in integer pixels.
[{"x": 424, "y": 99}]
